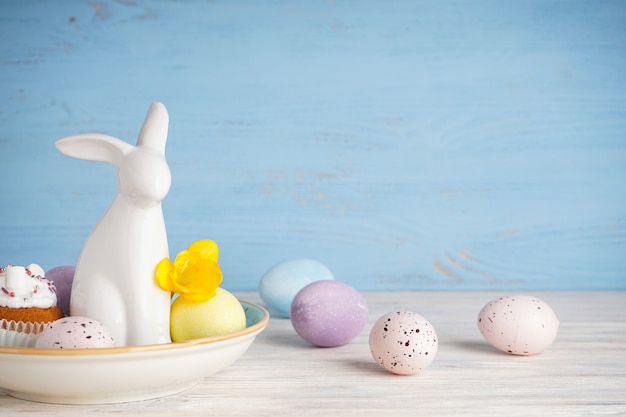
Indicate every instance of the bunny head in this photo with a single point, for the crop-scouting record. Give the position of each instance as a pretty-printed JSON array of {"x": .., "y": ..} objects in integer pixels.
[
  {"x": 144, "y": 177},
  {"x": 143, "y": 174}
]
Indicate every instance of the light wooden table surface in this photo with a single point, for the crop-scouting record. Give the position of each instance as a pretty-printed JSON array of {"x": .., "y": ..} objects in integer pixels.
[{"x": 582, "y": 373}]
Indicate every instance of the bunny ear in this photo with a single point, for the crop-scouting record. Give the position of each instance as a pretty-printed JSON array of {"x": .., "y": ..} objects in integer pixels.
[
  {"x": 153, "y": 133},
  {"x": 94, "y": 147}
]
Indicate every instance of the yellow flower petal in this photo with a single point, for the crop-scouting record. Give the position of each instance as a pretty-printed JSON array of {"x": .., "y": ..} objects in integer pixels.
[
  {"x": 198, "y": 297},
  {"x": 194, "y": 273},
  {"x": 206, "y": 249},
  {"x": 202, "y": 281},
  {"x": 162, "y": 274}
]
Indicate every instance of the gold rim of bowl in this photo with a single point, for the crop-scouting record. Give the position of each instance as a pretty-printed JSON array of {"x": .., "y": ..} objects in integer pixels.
[{"x": 11, "y": 350}]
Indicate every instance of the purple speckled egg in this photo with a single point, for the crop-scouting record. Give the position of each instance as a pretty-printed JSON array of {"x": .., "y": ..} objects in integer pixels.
[
  {"x": 328, "y": 313},
  {"x": 62, "y": 278},
  {"x": 74, "y": 333}
]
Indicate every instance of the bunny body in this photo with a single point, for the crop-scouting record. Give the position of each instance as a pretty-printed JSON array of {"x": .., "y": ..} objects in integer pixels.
[{"x": 114, "y": 279}]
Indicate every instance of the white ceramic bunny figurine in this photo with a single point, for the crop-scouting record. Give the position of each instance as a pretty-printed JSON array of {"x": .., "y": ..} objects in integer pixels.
[{"x": 114, "y": 280}]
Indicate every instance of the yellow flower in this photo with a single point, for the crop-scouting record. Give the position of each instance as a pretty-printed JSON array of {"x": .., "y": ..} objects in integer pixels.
[{"x": 195, "y": 274}]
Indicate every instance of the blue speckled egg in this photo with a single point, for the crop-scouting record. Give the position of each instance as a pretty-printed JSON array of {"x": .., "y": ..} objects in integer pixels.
[{"x": 280, "y": 284}]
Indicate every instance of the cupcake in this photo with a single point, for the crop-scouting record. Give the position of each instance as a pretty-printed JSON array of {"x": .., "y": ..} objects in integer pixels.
[{"x": 28, "y": 303}]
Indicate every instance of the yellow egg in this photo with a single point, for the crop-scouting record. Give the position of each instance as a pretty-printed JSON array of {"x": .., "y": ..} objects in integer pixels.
[{"x": 219, "y": 315}]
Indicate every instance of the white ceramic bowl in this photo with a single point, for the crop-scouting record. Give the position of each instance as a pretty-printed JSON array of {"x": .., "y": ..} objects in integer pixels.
[{"x": 122, "y": 374}]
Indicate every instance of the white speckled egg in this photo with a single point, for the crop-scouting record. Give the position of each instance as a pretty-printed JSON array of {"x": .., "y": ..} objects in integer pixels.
[
  {"x": 280, "y": 284},
  {"x": 403, "y": 342},
  {"x": 518, "y": 324},
  {"x": 74, "y": 333}
]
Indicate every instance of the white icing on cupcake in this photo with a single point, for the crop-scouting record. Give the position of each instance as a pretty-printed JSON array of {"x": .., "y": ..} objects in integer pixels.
[{"x": 26, "y": 287}]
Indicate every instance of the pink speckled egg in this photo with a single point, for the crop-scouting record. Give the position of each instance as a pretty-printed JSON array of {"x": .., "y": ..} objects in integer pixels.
[
  {"x": 328, "y": 313},
  {"x": 403, "y": 342},
  {"x": 518, "y": 324},
  {"x": 74, "y": 333}
]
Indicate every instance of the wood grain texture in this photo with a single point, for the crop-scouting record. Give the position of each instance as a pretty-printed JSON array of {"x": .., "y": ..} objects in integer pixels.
[
  {"x": 451, "y": 146},
  {"x": 581, "y": 374}
]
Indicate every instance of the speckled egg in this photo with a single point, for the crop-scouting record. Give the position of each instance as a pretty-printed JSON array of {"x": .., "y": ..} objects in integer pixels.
[
  {"x": 280, "y": 284},
  {"x": 328, "y": 313},
  {"x": 74, "y": 333},
  {"x": 403, "y": 342},
  {"x": 62, "y": 277},
  {"x": 518, "y": 324}
]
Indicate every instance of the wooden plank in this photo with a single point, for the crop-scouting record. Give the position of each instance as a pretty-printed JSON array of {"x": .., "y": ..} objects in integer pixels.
[{"x": 408, "y": 146}]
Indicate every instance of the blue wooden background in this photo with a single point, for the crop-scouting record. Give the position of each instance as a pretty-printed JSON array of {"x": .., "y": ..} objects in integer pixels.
[{"x": 408, "y": 145}]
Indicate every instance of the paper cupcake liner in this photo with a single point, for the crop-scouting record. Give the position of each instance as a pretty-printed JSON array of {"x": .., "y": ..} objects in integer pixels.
[
  {"x": 22, "y": 326},
  {"x": 17, "y": 339},
  {"x": 19, "y": 333}
]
